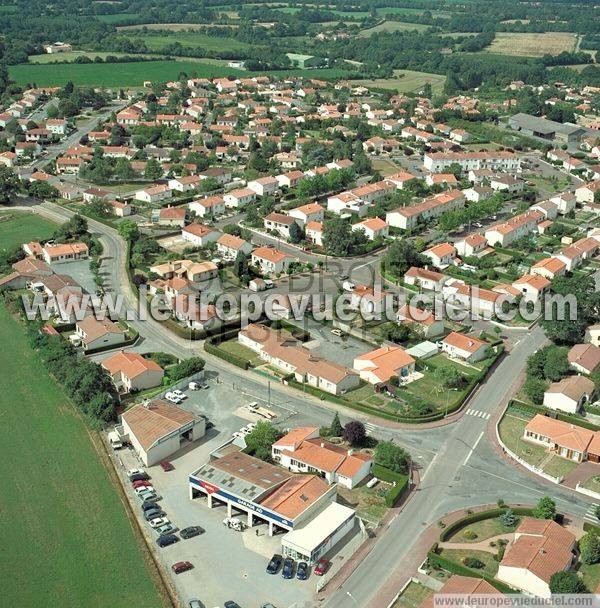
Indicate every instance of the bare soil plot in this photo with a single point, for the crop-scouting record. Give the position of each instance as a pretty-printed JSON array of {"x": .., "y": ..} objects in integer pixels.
[{"x": 532, "y": 44}]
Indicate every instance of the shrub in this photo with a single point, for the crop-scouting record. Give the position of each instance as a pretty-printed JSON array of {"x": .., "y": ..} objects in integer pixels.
[
  {"x": 355, "y": 433},
  {"x": 473, "y": 562},
  {"x": 470, "y": 535}
]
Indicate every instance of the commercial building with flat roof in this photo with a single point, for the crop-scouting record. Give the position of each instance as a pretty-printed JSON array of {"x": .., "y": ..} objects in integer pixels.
[{"x": 535, "y": 126}]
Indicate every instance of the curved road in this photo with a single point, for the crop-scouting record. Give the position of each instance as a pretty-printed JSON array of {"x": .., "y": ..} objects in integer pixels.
[{"x": 464, "y": 471}]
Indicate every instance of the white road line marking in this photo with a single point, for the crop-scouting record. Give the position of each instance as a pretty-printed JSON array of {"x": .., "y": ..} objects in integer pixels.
[{"x": 473, "y": 448}]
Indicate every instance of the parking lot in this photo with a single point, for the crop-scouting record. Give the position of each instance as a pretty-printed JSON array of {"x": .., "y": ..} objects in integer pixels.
[
  {"x": 228, "y": 565},
  {"x": 78, "y": 270}
]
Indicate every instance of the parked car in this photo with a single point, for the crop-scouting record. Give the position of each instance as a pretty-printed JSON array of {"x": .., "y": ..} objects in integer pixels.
[
  {"x": 132, "y": 472},
  {"x": 302, "y": 571},
  {"x": 142, "y": 483},
  {"x": 194, "y": 386},
  {"x": 179, "y": 394},
  {"x": 191, "y": 531},
  {"x": 164, "y": 540},
  {"x": 204, "y": 386},
  {"x": 288, "y": 568},
  {"x": 267, "y": 605},
  {"x": 153, "y": 514},
  {"x": 230, "y": 604},
  {"x": 157, "y": 522},
  {"x": 167, "y": 466},
  {"x": 139, "y": 476},
  {"x": 321, "y": 567},
  {"x": 167, "y": 528},
  {"x": 274, "y": 564},
  {"x": 195, "y": 604},
  {"x": 180, "y": 567},
  {"x": 143, "y": 489},
  {"x": 148, "y": 496},
  {"x": 173, "y": 398},
  {"x": 336, "y": 332},
  {"x": 148, "y": 506}
]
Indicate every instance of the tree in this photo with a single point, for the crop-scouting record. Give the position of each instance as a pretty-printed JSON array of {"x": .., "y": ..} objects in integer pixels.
[
  {"x": 355, "y": 433},
  {"x": 402, "y": 255},
  {"x": 449, "y": 376},
  {"x": 567, "y": 582},
  {"x": 241, "y": 266},
  {"x": 336, "y": 429},
  {"x": 508, "y": 519},
  {"x": 129, "y": 230},
  {"x": 153, "y": 169},
  {"x": 9, "y": 184},
  {"x": 589, "y": 548},
  {"x": 392, "y": 456},
  {"x": 545, "y": 508},
  {"x": 296, "y": 233},
  {"x": 260, "y": 440},
  {"x": 535, "y": 388}
]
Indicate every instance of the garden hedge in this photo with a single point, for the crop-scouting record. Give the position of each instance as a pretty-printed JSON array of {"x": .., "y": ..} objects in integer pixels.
[
  {"x": 480, "y": 516},
  {"x": 212, "y": 349},
  {"x": 570, "y": 418}
]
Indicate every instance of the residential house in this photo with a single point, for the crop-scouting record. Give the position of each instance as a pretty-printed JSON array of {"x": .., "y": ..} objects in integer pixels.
[
  {"x": 532, "y": 286},
  {"x": 314, "y": 233},
  {"x": 271, "y": 260},
  {"x": 471, "y": 245},
  {"x": 173, "y": 217},
  {"x": 229, "y": 246},
  {"x": 584, "y": 358},
  {"x": 95, "y": 333},
  {"x": 569, "y": 394},
  {"x": 279, "y": 223},
  {"x": 239, "y": 198},
  {"x": 441, "y": 255},
  {"x": 209, "y": 207},
  {"x": 65, "y": 252},
  {"x": 130, "y": 371},
  {"x": 549, "y": 268},
  {"x": 311, "y": 212},
  {"x": 461, "y": 346},
  {"x": 199, "y": 235},
  {"x": 422, "y": 322},
  {"x": 425, "y": 279},
  {"x": 263, "y": 186},
  {"x": 382, "y": 364},
  {"x": 373, "y": 227},
  {"x": 154, "y": 194}
]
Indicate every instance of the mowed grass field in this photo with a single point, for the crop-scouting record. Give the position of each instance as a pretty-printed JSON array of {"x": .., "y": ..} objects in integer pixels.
[
  {"x": 405, "y": 81},
  {"x": 114, "y": 74},
  {"x": 66, "y": 540},
  {"x": 157, "y": 42},
  {"x": 532, "y": 44},
  {"x": 392, "y": 26},
  {"x": 72, "y": 55},
  {"x": 20, "y": 227}
]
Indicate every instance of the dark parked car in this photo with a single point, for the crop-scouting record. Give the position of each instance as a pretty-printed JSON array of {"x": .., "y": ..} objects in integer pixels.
[
  {"x": 167, "y": 466},
  {"x": 321, "y": 567},
  {"x": 302, "y": 571},
  {"x": 288, "y": 568},
  {"x": 153, "y": 514},
  {"x": 164, "y": 540},
  {"x": 180, "y": 567},
  {"x": 149, "y": 504},
  {"x": 192, "y": 531},
  {"x": 274, "y": 564},
  {"x": 231, "y": 604},
  {"x": 139, "y": 477}
]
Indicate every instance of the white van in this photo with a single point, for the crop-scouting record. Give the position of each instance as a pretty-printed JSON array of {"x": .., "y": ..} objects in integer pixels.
[{"x": 115, "y": 441}]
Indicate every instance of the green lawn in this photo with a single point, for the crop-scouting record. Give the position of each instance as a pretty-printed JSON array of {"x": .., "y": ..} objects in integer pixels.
[
  {"x": 65, "y": 538},
  {"x": 592, "y": 483},
  {"x": 239, "y": 350},
  {"x": 405, "y": 81},
  {"x": 591, "y": 575},
  {"x": 487, "y": 528},
  {"x": 559, "y": 467},
  {"x": 17, "y": 228},
  {"x": 413, "y": 596},
  {"x": 511, "y": 432},
  {"x": 457, "y": 555}
]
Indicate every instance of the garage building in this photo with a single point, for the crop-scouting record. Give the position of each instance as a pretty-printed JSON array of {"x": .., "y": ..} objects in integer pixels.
[
  {"x": 157, "y": 429},
  {"x": 265, "y": 493}
]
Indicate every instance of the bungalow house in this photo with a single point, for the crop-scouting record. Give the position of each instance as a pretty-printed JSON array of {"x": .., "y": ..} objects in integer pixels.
[
  {"x": 424, "y": 278},
  {"x": 154, "y": 194},
  {"x": 270, "y": 260},
  {"x": 587, "y": 192},
  {"x": 186, "y": 183},
  {"x": 199, "y": 235},
  {"x": 373, "y": 227},
  {"x": 381, "y": 364},
  {"x": 303, "y": 451},
  {"x": 95, "y": 333},
  {"x": 195, "y": 272},
  {"x": 66, "y": 252},
  {"x": 130, "y": 371},
  {"x": 441, "y": 255},
  {"x": 461, "y": 346},
  {"x": 239, "y": 198},
  {"x": 471, "y": 245},
  {"x": 312, "y": 212},
  {"x": 290, "y": 179},
  {"x": 421, "y": 321},
  {"x": 570, "y": 394},
  {"x": 279, "y": 223},
  {"x": 172, "y": 217},
  {"x": 209, "y": 207},
  {"x": 584, "y": 358},
  {"x": 549, "y": 268},
  {"x": 532, "y": 286},
  {"x": 540, "y": 549},
  {"x": 400, "y": 179},
  {"x": 263, "y": 186},
  {"x": 228, "y": 246}
]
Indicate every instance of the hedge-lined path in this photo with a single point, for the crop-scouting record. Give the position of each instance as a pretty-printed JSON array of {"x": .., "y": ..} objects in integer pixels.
[{"x": 482, "y": 545}]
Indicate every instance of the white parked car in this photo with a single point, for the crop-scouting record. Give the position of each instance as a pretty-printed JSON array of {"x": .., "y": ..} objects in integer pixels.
[
  {"x": 173, "y": 398},
  {"x": 194, "y": 386},
  {"x": 179, "y": 394},
  {"x": 157, "y": 522},
  {"x": 132, "y": 472},
  {"x": 348, "y": 285}
]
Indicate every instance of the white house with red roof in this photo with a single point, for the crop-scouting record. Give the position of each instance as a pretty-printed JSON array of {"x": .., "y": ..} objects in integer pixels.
[{"x": 461, "y": 346}]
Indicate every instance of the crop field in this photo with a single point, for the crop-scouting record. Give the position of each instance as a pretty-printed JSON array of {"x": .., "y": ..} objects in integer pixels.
[
  {"x": 72, "y": 55},
  {"x": 405, "y": 81},
  {"x": 532, "y": 44},
  {"x": 66, "y": 540},
  {"x": 115, "y": 74},
  {"x": 157, "y": 42},
  {"x": 172, "y": 27},
  {"x": 20, "y": 227},
  {"x": 392, "y": 26}
]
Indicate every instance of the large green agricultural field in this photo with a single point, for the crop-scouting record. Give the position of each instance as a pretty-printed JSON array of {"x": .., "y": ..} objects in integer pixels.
[
  {"x": 114, "y": 74},
  {"x": 117, "y": 17},
  {"x": 392, "y": 26},
  {"x": 72, "y": 55},
  {"x": 157, "y": 42},
  {"x": 134, "y": 74},
  {"x": 20, "y": 227},
  {"x": 406, "y": 81},
  {"x": 532, "y": 44},
  {"x": 66, "y": 540}
]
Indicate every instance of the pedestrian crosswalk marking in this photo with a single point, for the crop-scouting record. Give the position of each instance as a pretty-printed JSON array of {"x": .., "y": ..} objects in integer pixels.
[
  {"x": 478, "y": 414},
  {"x": 590, "y": 514}
]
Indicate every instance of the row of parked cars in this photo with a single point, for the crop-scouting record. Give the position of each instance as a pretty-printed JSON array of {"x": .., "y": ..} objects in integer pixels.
[
  {"x": 245, "y": 430},
  {"x": 289, "y": 567},
  {"x": 156, "y": 517}
]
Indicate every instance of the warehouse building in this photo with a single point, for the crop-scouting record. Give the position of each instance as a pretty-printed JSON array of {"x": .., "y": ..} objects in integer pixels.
[
  {"x": 157, "y": 429},
  {"x": 535, "y": 126},
  {"x": 265, "y": 493}
]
